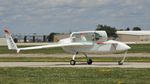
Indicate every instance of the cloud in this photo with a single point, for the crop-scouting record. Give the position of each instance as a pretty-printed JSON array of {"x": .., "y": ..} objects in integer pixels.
[{"x": 73, "y": 14}]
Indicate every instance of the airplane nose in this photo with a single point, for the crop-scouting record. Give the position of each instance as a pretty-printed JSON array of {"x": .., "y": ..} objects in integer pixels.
[{"x": 122, "y": 47}]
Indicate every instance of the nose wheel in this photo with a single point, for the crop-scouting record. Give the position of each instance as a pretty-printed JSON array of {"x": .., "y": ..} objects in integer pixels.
[{"x": 120, "y": 63}]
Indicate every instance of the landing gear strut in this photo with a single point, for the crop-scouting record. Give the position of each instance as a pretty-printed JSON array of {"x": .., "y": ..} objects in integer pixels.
[
  {"x": 89, "y": 60},
  {"x": 73, "y": 62},
  {"x": 122, "y": 61}
]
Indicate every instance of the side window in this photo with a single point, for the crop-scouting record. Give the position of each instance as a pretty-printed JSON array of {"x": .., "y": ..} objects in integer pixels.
[
  {"x": 86, "y": 37},
  {"x": 76, "y": 37},
  {"x": 81, "y": 37},
  {"x": 97, "y": 36}
]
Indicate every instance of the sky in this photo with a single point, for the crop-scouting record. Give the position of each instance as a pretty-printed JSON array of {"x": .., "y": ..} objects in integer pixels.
[{"x": 45, "y": 16}]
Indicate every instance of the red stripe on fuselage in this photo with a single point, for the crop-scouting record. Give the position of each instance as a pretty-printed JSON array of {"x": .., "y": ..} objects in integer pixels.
[{"x": 100, "y": 42}]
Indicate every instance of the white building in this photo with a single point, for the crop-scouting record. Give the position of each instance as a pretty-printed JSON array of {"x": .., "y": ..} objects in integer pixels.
[
  {"x": 2, "y": 41},
  {"x": 134, "y": 36}
]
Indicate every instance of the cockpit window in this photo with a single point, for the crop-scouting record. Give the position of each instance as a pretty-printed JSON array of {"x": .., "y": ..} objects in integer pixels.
[
  {"x": 97, "y": 36},
  {"x": 85, "y": 37}
]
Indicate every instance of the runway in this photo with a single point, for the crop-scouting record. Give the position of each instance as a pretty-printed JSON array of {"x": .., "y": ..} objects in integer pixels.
[{"x": 66, "y": 64}]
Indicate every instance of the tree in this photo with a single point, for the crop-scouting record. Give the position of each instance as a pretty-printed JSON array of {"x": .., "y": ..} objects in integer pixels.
[
  {"x": 136, "y": 29},
  {"x": 33, "y": 38},
  {"x": 51, "y": 37},
  {"x": 44, "y": 38},
  {"x": 25, "y": 39},
  {"x": 111, "y": 31},
  {"x": 127, "y": 29}
]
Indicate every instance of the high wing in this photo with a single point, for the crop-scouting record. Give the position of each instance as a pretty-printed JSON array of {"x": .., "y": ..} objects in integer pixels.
[
  {"x": 12, "y": 46},
  {"x": 56, "y": 45}
]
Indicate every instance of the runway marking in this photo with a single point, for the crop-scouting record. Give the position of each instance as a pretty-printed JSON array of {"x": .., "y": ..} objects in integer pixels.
[{"x": 66, "y": 64}]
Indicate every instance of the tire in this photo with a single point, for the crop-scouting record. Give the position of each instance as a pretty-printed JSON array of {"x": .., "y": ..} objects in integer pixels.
[
  {"x": 89, "y": 62},
  {"x": 120, "y": 63},
  {"x": 72, "y": 62}
]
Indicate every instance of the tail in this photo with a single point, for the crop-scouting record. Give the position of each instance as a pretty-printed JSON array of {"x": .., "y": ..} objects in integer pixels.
[{"x": 10, "y": 42}]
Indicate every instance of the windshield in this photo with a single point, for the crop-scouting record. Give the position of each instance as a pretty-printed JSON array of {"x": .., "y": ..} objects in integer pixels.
[{"x": 85, "y": 37}]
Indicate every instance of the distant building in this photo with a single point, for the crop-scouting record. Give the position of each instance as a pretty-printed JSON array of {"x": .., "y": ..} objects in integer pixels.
[
  {"x": 2, "y": 41},
  {"x": 38, "y": 38},
  {"x": 29, "y": 38},
  {"x": 133, "y": 36},
  {"x": 58, "y": 37}
]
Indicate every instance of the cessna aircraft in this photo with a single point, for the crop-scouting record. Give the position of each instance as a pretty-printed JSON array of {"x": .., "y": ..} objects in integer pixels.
[{"x": 79, "y": 42}]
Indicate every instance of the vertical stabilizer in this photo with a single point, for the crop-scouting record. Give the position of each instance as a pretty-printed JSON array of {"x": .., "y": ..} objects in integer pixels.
[{"x": 10, "y": 42}]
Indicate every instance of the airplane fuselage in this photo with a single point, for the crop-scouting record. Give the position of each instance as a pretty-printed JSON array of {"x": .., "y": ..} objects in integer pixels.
[{"x": 95, "y": 47}]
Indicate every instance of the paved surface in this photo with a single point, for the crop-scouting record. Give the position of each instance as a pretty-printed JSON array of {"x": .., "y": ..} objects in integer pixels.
[
  {"x": 79, "y": 64},
  {"x": 66, "y": 64}
]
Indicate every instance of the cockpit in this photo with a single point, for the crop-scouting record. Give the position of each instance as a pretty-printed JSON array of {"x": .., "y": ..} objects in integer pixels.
[{"x": 89, "y": 36}]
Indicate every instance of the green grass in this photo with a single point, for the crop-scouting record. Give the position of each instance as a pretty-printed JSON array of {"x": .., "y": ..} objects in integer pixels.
[
  {"x": 74, "y": 76},
  {"x": 139, "y": 48},
  {"x": 67, "y": 59}
]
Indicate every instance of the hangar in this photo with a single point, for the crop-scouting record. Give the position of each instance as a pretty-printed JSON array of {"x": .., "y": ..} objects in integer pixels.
[
  {"x": 133, "y": 36},
  {"x": 2, "y": 41}
]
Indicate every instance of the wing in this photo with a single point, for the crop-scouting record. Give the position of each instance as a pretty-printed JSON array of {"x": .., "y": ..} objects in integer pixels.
[
  {"x": 53, "y": 45},
  {"x": 56, "y": 45}
]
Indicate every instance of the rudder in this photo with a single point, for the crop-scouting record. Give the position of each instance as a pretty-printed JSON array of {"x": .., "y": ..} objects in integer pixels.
[{"x": 10, "y": 42}]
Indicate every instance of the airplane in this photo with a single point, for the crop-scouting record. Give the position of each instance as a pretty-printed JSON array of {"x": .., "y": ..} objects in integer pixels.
[{"x": 79, "y": 42}]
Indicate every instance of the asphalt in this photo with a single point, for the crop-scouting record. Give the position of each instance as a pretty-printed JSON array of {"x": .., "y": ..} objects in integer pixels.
[
  {"x": 83, "y": 65},
  {"x": 78, "y": 64}
]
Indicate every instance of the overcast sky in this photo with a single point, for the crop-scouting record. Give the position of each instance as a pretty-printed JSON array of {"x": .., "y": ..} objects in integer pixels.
[{"x": 44, "y": 16}]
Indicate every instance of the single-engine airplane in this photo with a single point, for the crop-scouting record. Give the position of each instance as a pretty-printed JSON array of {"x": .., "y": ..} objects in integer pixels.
[{"x": 79, "y": 42}]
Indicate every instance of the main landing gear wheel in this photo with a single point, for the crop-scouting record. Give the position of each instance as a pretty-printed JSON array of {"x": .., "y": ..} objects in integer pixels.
[
  {"x": 120, "y": 63},
  {"x": 72, "y": 62},
  {"x": 89, "y": 61}
]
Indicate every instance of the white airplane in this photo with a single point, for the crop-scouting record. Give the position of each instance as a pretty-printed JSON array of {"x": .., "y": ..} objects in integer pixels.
[{"x": 79, "y": 42}]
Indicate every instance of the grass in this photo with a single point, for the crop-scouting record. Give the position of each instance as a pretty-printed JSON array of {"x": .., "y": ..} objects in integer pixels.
[
  {"x": 67, "y": 59},
  {"x": 139, "y": 48},
  {"x": 74, "y": 76}
]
